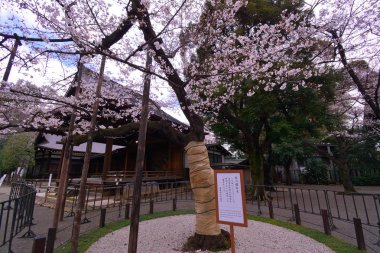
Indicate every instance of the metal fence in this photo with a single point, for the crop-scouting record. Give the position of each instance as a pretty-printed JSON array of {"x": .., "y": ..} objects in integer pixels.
[
  {"x": 16, "y": 213},
  {"x": 339, "y": 205},
  {"x": 105, "y": 196}
]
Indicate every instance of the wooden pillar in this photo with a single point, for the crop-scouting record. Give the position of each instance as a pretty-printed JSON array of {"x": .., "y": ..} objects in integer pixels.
[
  {"x": 135, "y": 215},
  {"x": 170, "y": 167},
  {"x": 86, "y": 164},
  {"x": 66, "y": 157},
  {"x": 107, "y": 157},
  {"x": 126, "y": 164},
  {"x": 66, "y": 184},
  {"x": 60, "y": 163},
  {"x": 48, "y": 162}
]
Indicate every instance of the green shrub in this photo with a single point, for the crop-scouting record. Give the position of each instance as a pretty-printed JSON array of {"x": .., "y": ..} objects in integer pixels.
[
  {"x": 373, "y": 179},
  {"x": 315, "y": 171}
]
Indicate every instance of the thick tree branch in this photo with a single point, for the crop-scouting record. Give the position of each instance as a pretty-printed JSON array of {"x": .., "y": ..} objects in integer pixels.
[
  {"x": 118, "y": 34},
  {"x": 24, "y": 38},
  {"x": 355, "y": 78},
  {"x": 377, "y": 91},
  {"x": 177, "y": 84}
]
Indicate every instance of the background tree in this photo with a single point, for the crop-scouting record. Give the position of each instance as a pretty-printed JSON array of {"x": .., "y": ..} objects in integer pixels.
[
  {"x": 364, "y": 156},
  {"x": 352, "y": 29},
  {"x": 346, "y": 128},
  {"x": 18, "y": 151},
  {"x": 263, "y": 109},
  {"x": 315, "y": 171}
]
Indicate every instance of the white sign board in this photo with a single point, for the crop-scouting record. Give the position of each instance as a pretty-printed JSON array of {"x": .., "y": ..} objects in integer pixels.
[{"x": 230, "y": 197}]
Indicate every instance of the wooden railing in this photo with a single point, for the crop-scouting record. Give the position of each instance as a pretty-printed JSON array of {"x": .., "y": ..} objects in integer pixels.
[{"x": 151, "y": 175}]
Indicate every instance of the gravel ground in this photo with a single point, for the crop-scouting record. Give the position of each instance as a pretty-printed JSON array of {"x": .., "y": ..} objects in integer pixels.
[{"x": 165, "y": 235}]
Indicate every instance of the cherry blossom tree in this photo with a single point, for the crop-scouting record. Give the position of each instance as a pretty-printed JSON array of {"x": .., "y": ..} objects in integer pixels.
[
  {"x": 349, "y": 130},
  {"x": 352, "y": 29},
  {"x": 169, "y": 31}
]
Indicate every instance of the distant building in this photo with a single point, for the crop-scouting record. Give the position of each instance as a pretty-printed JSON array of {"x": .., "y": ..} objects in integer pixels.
[{"x": 114, "y": 158}]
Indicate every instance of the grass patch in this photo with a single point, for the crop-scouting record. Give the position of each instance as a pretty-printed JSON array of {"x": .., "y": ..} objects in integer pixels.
[
  {"x": 332, "y": 242},
  {"x": 92, "y": 236}
]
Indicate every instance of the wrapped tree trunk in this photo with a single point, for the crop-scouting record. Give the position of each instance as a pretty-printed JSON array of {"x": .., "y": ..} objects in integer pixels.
[
  {"x": 208, "y": 235},
  {"x": 202, "y": 184}
]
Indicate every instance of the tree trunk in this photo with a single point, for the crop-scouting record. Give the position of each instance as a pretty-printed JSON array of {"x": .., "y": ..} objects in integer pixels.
[
  {"x": 345, "y": 177},
  {"x": 202, "y": 184},
  {"x": 268, "y": 171},
  {"x": 340, "y": 159},
  {"x": 256, "y": 164},
  {"x": 287, "y": 172},
  {"x": 207, "y": 231}
]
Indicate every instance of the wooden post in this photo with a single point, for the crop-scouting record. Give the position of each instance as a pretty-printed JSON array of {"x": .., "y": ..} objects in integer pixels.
[
  {"x": 126, "y": 215},
  {"x": 107, "y": 157},
  {"x": 67, "y": 147},
  {"x": 232, "y": 234},
  {"x": 270, "y": 206},
  {"x": 39, "y": 244},
  {"x": 60, "y": 164},
  {"x": 325, "y": 220},
  {"x": 46, "y": 194},
  {"x": 297, "y": 214},
  {"x": 126, "y": 164},
  {"x": 11, "y": 59},
  {"x": 66, "y": 184},
  {"x": 359, "y": 234},
  {"x": 86, "y": 164},
  {"x": 174, "y": 204},
  {"x": 134, "y": 227},
  {"x": 50, "y": 240},
  {"x": 151, "y": 206},
  {"x": 102, "y": 221}
]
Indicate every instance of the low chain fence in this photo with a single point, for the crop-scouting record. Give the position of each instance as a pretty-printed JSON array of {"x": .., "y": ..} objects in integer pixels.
[
  {"x": 339, "y": 205},
  {"x": 330, "y": 206}
]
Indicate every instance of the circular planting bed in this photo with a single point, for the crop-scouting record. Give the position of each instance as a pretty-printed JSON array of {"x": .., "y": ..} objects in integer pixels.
[{"x": 169, "y": 234}]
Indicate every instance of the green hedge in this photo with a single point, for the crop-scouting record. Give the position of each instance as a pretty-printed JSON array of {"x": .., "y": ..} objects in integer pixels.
[{"x": 373, "y": 179}]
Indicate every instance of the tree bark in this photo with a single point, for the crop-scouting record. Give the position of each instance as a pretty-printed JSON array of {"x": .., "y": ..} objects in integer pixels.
[
  {"x": 11, "y": 60},
  {"x": 371, "y": 101},
  {"x": 340, "y": 159},
  {"x": 256, "y": 164},
  {"x": 287, "y": 172},
  {"x": 268, "y": 169},
  {"x": 345, "y": 177}
]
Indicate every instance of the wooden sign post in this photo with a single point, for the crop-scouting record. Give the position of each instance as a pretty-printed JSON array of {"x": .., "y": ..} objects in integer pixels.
[{"x": 230, "y": 200}]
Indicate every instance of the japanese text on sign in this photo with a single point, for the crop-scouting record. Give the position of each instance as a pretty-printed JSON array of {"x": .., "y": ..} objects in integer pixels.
[{"x": 230, "y": 198}]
